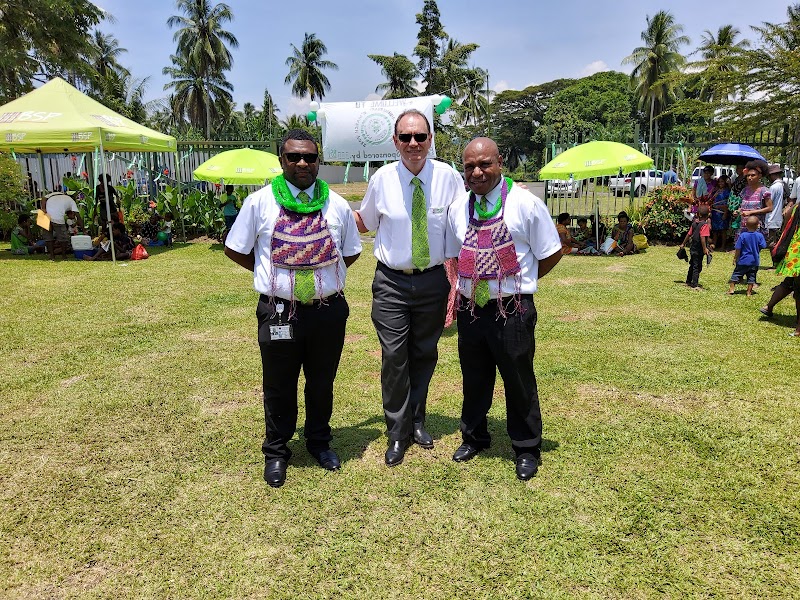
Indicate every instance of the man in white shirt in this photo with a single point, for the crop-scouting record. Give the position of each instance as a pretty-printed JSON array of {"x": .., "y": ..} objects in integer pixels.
[
  {"x": 298, "y": 238},
  {"x": 57, "y": 205},
  {"x": 406, "y": 205},
  {"x": 505, "y": 241},
  {"x": 774, "y": 219}
]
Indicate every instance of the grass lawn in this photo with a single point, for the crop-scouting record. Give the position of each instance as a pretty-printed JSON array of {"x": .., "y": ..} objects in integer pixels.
[{"x": 131, "y": 426}]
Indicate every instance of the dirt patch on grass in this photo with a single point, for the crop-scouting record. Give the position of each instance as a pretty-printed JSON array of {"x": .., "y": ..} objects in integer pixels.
[
  {"x": 579, "y": 281},
  {"x": 588, "y": 315},
  {"x": 610, "y": 400},
  {"x": 354, "y": 337},
  {"x": 617, "y": 268},
  {"x": 72, "y": 380}
]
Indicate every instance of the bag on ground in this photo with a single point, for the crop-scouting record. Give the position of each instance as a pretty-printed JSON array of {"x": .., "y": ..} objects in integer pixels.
[{"x": 139, "y": 253}]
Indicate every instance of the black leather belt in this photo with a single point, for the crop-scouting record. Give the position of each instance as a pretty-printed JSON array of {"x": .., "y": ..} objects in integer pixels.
[{"x": 409, "y": 271}]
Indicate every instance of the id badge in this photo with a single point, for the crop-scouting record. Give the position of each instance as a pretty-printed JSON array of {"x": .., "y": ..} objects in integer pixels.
[{"x": 280, "y": 332}]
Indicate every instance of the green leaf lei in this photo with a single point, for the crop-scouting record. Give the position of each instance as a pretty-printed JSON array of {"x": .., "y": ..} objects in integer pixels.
[
  {"x": 284, "y": 197},
  {"x": 489, "y": 214}
]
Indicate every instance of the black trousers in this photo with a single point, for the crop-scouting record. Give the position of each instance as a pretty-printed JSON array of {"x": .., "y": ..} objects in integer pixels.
[
  {"x": 695, "y": 267},
  {"x": 487, "y": 342},
  {"x": 316, "y": 347},
  {"x": 408, "y": 314}
]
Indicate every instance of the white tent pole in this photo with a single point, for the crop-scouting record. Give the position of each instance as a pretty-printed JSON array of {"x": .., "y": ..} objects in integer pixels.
[
  {"x": 108, "y": 204},
  {"x": 596, "y": 216}
]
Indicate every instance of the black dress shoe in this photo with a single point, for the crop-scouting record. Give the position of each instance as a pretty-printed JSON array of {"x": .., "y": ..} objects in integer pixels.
[
  {"x": 527, "y": 468},
  {"x": 465, "y": 452},
  {"x": 328, "y": 459},
  {"x": 422, "y": 437},
  {"x": 275, "y": 472},
  {"x": 395, "y": 452}
]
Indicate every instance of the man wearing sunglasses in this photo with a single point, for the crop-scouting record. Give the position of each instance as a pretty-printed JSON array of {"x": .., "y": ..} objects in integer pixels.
[
  {"x": 505, "y": 241},
  {"x": 406, "y": 205},
  {"x": 298, "y": 238}
]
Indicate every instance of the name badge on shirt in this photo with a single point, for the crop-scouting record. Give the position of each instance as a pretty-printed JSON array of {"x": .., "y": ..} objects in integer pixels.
[
  {"x": 280, "y": 332},
  {"x": 437, "y": 210}
]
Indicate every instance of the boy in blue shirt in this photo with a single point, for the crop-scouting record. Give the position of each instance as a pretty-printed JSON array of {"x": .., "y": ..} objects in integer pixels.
[{"x": 748, "y": 255}]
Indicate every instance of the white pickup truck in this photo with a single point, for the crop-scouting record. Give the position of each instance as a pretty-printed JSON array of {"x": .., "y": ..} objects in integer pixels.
[{"x": 645, "y": 181}]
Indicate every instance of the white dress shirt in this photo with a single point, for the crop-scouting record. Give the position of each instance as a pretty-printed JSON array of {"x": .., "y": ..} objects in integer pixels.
[
  {"x": 532, "y": 230},
  {"x": 253, "y": 231},
  {"x": 386, "y": 209}
]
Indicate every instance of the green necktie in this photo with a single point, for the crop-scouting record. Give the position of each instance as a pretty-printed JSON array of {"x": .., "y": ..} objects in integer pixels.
[
  {"x": 420, "y": 251},
  {"x": 482, "y": 289},
  {"x": 304, "y": 279}
]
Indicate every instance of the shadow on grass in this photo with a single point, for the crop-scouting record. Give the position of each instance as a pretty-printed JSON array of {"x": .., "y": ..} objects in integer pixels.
[
  {"x": 780, "y": 320},
  {"x": 351, "y": 442}
]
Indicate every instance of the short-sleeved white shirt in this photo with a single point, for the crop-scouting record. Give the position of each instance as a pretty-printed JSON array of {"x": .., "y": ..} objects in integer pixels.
[
  {"x": 531, "y": 228},
  {"x": 774, "y": 219},
  {"x": 386, "y": 209},
  {"x": 253, "y": 231},
  {"x": 57, "y": 206}
]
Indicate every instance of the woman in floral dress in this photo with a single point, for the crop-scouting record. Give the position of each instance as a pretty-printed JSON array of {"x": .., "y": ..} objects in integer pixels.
[{"x": 789, "y": 268}]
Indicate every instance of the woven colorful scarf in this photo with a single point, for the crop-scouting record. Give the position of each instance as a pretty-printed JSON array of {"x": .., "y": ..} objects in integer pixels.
[
  {"x": 303, "y": 242},
  {"x": 488, "y": 251}
]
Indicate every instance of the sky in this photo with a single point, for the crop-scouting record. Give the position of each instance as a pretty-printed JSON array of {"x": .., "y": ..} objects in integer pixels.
[{"x": 522, "y": 42}]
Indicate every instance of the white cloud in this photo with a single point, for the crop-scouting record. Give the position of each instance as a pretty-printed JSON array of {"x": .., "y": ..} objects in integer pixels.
[
  {"x": 297, "y": 106},
  {"x": 501, "y": 86},
  {"x": 593, "y": 67}
]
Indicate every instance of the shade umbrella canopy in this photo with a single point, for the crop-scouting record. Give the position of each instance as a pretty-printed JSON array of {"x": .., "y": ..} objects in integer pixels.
[
  {"x": 56, "y": 118},
  {"x": 243, "y": 166},
  {"x": 731, "y": 154},
  {"x": 594, "y": 159}
]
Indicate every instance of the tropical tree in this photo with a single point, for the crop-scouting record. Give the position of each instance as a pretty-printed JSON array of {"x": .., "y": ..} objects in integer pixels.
[
  {"x": 430, "y": 38},
  {"x": 452, "y": 74},
  {"x": 717, "y": 52},
  {"x": 104, "y": 55},
  {"x": 474, "y": 100},
  {"x": 198, "y": 94},
  {"x": 306, "y": 67},
  {"x": 654, "y": 62},
  {"x": 40, "y": 39},
  {"x": 400, "y": 72},
  {"x": 201, "y": 36},
  {"x": 269, "y": 120}
]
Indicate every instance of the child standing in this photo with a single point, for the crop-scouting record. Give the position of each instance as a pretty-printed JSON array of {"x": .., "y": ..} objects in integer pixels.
[
  {"x": 748, "y": 255},
  {"x": 168, "y": 220},
  {"x": 698, "y": 236}
]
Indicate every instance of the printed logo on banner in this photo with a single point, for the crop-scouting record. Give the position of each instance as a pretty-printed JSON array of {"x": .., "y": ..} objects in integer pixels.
[
  {"x": 82, "y": 136},
  {"x": 14, "y": 137},
  {"x": 374, "y": 128},
  {"x": 109, "y": 120},
  {"x": 28, "y": 116},
  {"x": 110, "y": 137},
  {"x": 144, "y": 139}
]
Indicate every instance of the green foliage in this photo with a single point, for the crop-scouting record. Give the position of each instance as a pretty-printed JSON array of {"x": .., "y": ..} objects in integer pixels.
[
  {"x": 306, "y": 67},
  {"x": 135, "y": 216},
  {"x": 8, "y": 220},
  {"x": 602, "y": 105},
  {"x": 662, "y": 215},
  {"x": 12, "y": 182},
  {"x": 40, "y": 39}
]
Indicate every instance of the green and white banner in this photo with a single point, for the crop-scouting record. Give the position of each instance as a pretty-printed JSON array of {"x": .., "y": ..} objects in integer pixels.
[{"x": 363, "y": 131}]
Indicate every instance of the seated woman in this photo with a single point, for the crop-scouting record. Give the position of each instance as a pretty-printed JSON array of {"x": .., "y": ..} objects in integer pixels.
[
  {"x": 568, "y": 243},
  {"x": 123, "y": 245},
  {"x": 622, "y": 233}
]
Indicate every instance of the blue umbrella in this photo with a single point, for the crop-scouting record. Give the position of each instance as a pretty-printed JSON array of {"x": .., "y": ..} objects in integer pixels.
[{"x": 730, "y": 154}]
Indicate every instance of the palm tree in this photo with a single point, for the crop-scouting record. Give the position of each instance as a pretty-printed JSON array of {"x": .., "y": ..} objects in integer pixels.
[
  {"x": 200, "y": 35},
  {"x": 452, "y": 73},
  {"x": 475, "y": 97},
  {"x": 105, "y": 53},
  {"x": 400, "y": 72},
  {"x": 717, "y": 52},
  {"x": 199, "y": 95},
  {"x": 654, "y": 61},
  {"x": 294, "y": 122},
  {"x": 305, "y": 68}
]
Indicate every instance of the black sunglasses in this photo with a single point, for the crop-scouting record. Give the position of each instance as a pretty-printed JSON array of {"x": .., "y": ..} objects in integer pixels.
[
  {"x": 406, "y": 137},
  {"x": 296, "y": 157}
]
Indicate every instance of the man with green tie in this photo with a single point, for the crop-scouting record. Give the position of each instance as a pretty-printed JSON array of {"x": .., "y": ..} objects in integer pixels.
[
  {"x": 505, "y": 241},
  {"x": 298, "y": 237},
  {"x": 406, "y": 205}
]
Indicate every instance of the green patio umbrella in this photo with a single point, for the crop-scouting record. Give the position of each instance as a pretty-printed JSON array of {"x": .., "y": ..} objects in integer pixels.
[
  {"x": 244, "y": 166},
  {"x": 595, "y": 159}
]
